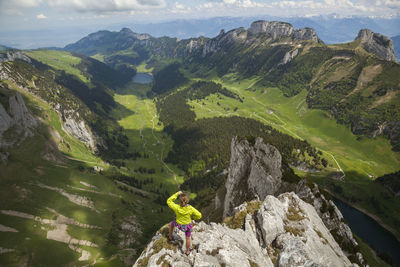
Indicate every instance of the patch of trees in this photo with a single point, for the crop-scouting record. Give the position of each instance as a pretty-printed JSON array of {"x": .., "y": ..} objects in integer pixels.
[
  {"x": 391, "y": 181},
  {"x": 296, "y": 75},
  {"x": 202, "y": 89},
  {"x": 99, "y": 72},
  {"x": 168, "y": 78},
  {"x": 209, "y": 139}
]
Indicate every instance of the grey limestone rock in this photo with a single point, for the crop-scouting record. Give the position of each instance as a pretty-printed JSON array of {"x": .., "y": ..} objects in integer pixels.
[
  {"x": 285, "y": 231},
  {"x": 378, "y": 44},
  {"x": 19, "y": 120},
  {"x": 12, "y": 56},
  {"x": 224, "y": 39},
  {"x": 20, "y": 113},
  {"x": 77, "y": 127},
  {"x": 289, "y": 56},
  {"x": 254, "y": 171},
  {"x": 274, "y": 29},
  {"x": 306, "y": 34}
]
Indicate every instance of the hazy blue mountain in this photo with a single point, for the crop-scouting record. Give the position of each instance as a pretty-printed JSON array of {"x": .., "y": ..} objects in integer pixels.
[
  {"x": 396, "y": 42},
  {"x": 5, "y": 48},
  {"x": 330, "y": 29}
]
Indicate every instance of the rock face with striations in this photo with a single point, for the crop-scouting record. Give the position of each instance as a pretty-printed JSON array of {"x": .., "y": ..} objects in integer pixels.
[
  {"x": 291, "y": 229},
  {"x": 378, "y": 44},
  {"x": 15, "y": 125},
  {"x": 274, "y": 29},
  {"x": 280, "y": 231},
  {"x": 254, "y": 171},
  {"x": 77, "y": 127}
]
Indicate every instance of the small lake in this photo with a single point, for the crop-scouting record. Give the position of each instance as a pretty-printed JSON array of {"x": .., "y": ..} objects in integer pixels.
[
  {"x": 143, "y": 78},
  {"x": 370, "y": 231}
]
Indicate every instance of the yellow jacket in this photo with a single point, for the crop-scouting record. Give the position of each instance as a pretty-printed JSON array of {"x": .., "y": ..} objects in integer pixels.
[{"x": 183, "y": 214}]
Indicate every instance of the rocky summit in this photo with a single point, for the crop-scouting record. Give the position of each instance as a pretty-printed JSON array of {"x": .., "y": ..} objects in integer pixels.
[
  {"x": 378, "y": 44},
  {"x": 289, "y": 229},
  {"x": 280, "y": 231}
]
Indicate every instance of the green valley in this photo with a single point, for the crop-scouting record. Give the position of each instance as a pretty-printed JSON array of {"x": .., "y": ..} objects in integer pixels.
[{"x": 87, "y": 183}]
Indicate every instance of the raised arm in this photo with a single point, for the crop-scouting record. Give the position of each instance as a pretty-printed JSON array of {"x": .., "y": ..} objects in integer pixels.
[
  {"x": 171, "y": 199},
  {"x": 196, "y": 215}
]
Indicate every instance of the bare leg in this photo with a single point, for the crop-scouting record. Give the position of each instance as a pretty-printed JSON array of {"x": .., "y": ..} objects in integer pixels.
[
  {"x": 171, "y": 230},
  {"x": 188, "y": 245}
]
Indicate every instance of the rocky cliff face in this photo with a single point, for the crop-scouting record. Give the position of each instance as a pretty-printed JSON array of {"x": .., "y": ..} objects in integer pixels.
[
  {"x": 77, "y": 127},
  {"x": 254, "y": 172},
  {"x": 15, "y": 125},
  {"x": 300, "y": 228},
  {"x": 73, "y": 123},
  {"x": 272, "y": 30},
  {"x": 378, "y": 44},
  {"x": 11, "y": 56},
  {"x": 280, "y": 231}
]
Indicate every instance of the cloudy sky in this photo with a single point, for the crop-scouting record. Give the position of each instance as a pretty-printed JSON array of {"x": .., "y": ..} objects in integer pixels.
[
  {"x": 24, "y": 20},
  {"x": 31, "y": 14}
]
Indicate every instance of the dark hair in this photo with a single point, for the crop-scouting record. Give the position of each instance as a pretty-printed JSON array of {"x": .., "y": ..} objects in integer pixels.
[{"x": 185, "y": 196}]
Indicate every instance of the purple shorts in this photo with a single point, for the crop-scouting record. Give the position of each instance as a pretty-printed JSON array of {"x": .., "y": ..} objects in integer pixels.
[{"x": 187, "y": 228}]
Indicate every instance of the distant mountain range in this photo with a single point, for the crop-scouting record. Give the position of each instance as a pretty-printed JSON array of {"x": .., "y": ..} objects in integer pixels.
[{"x": 330, "y": 29}]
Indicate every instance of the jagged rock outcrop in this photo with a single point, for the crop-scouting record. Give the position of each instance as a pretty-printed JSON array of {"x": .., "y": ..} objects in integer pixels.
[
  {"x": 289, "y": 56},
  {"x": 264, "y": 162},
  {"x": 306, "y": 34},
  {"x": 15, "y": 125},
  {"x": 254, "y": 171},
  {"x": 378, "y": 44},
  {"x": 280, "y": 231},
  {"x": 12, "y": 56},
  {"x": 223, "y": 39},
  {"x": 75, "y": 126},
  {"x": 275, "y": 29}
]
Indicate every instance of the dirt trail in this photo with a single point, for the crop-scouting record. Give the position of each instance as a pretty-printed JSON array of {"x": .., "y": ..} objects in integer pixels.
[{"x": 159, "y": 159}]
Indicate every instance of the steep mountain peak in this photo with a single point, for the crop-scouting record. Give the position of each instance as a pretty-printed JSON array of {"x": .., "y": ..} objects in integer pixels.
[
  {"x": 126, "y": 31},
  {"x": 274, "y": 28},
  {"x": 378, "y": 44},
  {"x": 278, "y": 29}
]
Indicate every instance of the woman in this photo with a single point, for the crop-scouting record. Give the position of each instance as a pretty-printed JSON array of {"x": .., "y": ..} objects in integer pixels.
[{"x": 184, "y": 215}]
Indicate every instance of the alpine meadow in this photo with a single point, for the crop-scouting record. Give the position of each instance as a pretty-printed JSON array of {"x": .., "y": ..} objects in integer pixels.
[{"x": 268, "y": 130}]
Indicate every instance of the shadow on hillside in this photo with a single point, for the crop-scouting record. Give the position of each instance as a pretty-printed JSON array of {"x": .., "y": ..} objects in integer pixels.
[{"x": 137, "y": 89}]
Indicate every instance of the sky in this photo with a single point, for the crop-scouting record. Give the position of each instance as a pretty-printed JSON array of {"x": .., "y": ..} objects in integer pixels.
[
  {"x": 20, "y": 19},
  {"x": 39, "y": 14}
]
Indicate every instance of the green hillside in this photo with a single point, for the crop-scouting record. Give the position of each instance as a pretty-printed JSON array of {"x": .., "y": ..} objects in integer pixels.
[
  {"x": 50, "y": 190},
  {"x": 332, "y": 111}
]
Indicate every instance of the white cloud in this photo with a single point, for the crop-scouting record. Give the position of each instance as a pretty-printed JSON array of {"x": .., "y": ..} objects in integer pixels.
[
  {"x": 229, "y": 1},
  {"x": 106, "y": 5},
  {"x": 41, "y": 16},
  {"x": 16, "y": 7},
  {"x": 392, "y": 3}
]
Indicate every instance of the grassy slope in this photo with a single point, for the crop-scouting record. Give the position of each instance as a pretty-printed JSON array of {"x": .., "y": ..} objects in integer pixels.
[
  {"x": 59, "y": 60},
  {"x": 144, "y": 133},
  {"x": 19, "y": 191},
  {"x": 357, "y": 158}
]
